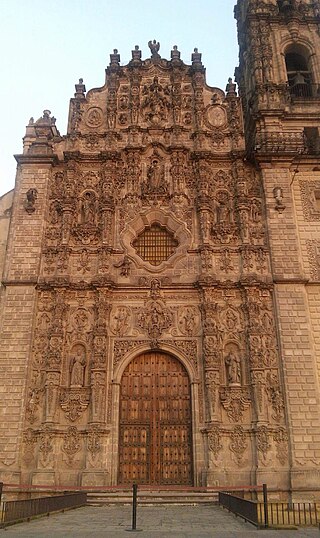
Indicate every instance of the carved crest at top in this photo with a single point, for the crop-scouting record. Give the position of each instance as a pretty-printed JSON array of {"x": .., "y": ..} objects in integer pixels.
[{"x": 156, "y": 102}]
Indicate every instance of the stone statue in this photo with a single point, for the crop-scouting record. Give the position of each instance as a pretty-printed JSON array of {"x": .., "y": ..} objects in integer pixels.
[
  {"x": 121, "y": 321},
  {"x": 31, "y": 198},
  {"x": 154, "y": 46},
  {"x": 125, "y": 266},
  {"x": 155, "y": 174},
  {"x": 88, "y": 208},
  {"x": 77, "y": 367},
  {"x": 233, "y": 368},
  {"x": 231, "y": 88}
]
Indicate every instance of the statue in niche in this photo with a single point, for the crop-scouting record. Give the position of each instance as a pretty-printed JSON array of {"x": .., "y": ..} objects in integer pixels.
[
  {"x": 223, "y": 213},
  {"x": 77, "y": 369},
  {"x": 189, "y": 320},
  {"x": 231, "y": 319},
  {"x": 233, "y": 368},
  {"x": 121, "y": 323},
  {"x": 155, "y": 174},
  {"x": 255, "y": 211},
  {"x": 88, "y": 208}
]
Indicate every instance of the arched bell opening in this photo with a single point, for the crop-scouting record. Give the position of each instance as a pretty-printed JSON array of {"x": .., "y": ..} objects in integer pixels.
[{"x": 298, "y": 72}]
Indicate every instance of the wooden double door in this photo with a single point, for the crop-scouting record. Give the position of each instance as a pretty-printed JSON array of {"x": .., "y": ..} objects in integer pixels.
[{"x": 155, "y": 445}]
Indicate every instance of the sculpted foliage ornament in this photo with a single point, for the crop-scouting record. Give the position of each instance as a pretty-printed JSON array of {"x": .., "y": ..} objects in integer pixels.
[
  {"x": 263, "y": 444},
  {"x": 281, "y": 439},
  {"x": 274, "y": 395},
  {"x": 32, "y": 405},
  {"x": 122, "y": 347},
  {"x": 71, "y": 444},
  {"x": 235, "y": 401},
  {"x": 29, "y": 440},
  {"x": 214, "y": 441},
  {"x": 238, "y": 444},
  {"x": 46, "y": 447},
  {"x": 74, "y": 402},
  {"x": 94, "y": 443}
]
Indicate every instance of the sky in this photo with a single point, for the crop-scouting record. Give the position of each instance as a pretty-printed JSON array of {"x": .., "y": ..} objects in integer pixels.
[{"x": 46, "y": 46}]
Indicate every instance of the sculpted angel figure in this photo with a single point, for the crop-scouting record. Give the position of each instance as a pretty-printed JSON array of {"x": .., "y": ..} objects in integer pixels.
[{"x": 154, "y": 46}]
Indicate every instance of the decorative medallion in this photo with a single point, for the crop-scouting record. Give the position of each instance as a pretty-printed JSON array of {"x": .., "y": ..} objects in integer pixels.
[{"x": 94, "y": 117}]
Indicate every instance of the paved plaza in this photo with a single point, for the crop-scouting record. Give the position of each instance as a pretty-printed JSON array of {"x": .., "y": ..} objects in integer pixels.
[{"x": 202, "y": 521}]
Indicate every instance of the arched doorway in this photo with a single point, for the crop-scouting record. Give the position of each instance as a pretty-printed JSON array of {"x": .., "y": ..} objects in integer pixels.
[{"x": 155, "y": 442}]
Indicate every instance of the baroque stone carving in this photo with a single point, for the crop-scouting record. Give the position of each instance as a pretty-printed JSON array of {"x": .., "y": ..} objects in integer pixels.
[
  {"x": 155, "y": 102},
  {"x": 313, "y": 248},
  {"x": 235, "y": 401},
  {"x": 120, "y": 320},
  {"x": 214, "y": 441},
  {"x": 274, "y": 395},
  {"x": 238, "y": 444},
  {"x": 30, "y": 202},
  {"x": 29, "y": 440},
  {"x": 281, "y": 439},
  {"x": 74, "y": 402},
  {"x": 154, "y": 319},
  {"x": 94, "y": 444},
  {"x": 233, "y": 368},
  {"x": 189, "y": 320},
  {"x": 71, "y": 444},
  {"x": 121, "y": 347},
  {"x": 46, "y": 447},
  {"x": 263, "y": 444},
  {"x": 310, "y": 194}
]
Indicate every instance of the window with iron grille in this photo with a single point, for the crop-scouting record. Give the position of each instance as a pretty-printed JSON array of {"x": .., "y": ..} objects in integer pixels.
[{"x": 155, "y": 244}]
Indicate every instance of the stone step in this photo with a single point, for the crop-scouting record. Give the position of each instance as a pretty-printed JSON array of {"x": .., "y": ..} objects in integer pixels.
[{"x": 151, "y": 497}]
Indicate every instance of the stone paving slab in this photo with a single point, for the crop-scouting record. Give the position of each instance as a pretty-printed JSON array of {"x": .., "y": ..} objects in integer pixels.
[{"x": 202, "y": 521}]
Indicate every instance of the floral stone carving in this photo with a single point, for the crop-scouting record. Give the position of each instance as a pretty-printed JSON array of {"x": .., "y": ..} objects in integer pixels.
[
  {"x": 74, "y": 402},
  {"x": 235, "y": 401}
]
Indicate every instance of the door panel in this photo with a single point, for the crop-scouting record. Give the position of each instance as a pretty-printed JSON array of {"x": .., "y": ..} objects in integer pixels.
[{"x": 155, "y": 422}]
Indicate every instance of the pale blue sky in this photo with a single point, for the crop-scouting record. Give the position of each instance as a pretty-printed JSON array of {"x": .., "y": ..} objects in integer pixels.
[{"x": 46, "y": 46}]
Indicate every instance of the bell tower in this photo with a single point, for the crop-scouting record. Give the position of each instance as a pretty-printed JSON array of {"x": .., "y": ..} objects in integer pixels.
[
  {"x": 279, "y": 74},
  {"x": 279, "y": 83}
]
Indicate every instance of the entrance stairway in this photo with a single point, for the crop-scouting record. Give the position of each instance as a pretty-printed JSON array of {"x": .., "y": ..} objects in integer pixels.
[{"x": 150, "y": 496}]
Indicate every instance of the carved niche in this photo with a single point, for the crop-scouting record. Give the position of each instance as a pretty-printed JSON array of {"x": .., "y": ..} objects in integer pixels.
[{"x": 75, "y": 399}]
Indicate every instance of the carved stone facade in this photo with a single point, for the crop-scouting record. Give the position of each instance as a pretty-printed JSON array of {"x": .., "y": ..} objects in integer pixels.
[{"x": 148, "y": 228}]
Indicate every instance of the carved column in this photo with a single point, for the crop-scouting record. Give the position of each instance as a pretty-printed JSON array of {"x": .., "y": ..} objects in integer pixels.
[
  {"x": 51, "y": 395},
  {"x": 98, "y": 382},
  {"x": 212, "y": 390},
  {"x": 67, "y": 213},
  {"x": 107, "y": 217}
]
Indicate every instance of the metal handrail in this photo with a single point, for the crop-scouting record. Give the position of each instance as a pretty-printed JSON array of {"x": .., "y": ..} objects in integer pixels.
[{"x": 14, "y": 511}]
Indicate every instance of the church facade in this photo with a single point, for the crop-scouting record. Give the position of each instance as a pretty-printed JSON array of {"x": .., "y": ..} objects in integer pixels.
[{"x": 160, "y": 296}]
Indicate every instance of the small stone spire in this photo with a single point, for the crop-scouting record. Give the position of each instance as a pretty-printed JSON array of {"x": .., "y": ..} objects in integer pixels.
[
  {"x": 196, "y": 58},
  {"x": 115, "y": 58},
  {"x": 136, "y": 55},
  {"x": 175, "y": 53},
  {"x": 80, "y": 90}
]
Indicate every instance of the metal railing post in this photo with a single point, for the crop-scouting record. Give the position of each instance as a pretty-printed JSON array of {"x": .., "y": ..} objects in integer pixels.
[
  {"x": 265, "y": 504},
  {"x": 134, "y": 506}
]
